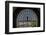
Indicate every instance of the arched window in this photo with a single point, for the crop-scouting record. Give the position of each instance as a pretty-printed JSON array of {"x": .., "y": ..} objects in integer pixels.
[{"x": 27, "y": 18}]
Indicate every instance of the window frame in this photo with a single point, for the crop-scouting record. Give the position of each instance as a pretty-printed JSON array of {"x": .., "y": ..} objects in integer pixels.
[{"x": 7, "y": 17}]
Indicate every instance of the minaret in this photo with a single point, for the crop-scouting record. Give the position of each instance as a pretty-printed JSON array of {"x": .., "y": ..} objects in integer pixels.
[{"x": 27, "y": 18}]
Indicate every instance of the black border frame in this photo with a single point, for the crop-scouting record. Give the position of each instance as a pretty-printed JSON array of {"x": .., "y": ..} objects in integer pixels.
[{"x": 7, "y": 17}]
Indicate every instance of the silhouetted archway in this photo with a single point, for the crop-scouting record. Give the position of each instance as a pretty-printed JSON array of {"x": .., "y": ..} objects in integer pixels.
[{"x": 18, "y": 10}]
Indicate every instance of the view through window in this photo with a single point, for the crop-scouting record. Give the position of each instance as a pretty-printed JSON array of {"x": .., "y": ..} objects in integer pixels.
[{"x": 27, "y": 18}]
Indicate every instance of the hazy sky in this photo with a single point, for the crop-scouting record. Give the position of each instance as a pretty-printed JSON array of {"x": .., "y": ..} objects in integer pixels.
[{"x": 26, "y": 12}]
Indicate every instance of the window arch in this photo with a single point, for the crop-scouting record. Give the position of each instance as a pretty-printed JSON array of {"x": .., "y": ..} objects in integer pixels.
[{"x": 27, "y": 18}]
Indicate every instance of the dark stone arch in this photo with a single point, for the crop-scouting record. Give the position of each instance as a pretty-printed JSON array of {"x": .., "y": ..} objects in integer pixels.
[{"x": 17, "y": 11}]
